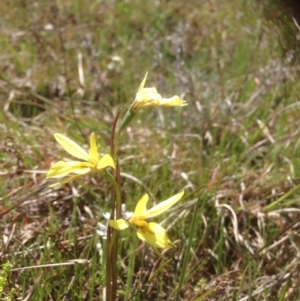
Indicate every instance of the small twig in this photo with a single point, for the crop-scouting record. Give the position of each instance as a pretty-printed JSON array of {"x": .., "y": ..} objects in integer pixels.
[
  {"x": 296, "y": 23},
  {"x": 9, "y": 238},
  {"x": 53, "y": 265}
]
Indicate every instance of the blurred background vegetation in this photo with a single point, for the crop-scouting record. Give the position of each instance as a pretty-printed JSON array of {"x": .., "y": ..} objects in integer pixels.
[{"x": 70, "y": 66}]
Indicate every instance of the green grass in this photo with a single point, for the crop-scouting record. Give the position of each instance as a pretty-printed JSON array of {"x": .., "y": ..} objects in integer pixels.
[{"x": 238, "y": 137}]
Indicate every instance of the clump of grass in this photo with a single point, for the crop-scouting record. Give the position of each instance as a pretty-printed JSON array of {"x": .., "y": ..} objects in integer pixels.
[{"x": 286, "y": 16}]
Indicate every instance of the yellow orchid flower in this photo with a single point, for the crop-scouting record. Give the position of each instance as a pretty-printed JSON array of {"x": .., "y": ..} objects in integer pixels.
[
  {"x": 149, "y": 97},
  {"x": 152, "y": 233},
  {"x": 91, "y": 160}
]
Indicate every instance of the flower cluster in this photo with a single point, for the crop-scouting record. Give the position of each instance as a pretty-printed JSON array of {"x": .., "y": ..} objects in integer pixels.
[{"x": 150, "y": 232}]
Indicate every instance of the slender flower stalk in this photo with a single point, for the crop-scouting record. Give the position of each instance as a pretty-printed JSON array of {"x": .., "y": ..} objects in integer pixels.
[
  {"x": 152, "y": 233},
  {"x": 92, "y": 162}
]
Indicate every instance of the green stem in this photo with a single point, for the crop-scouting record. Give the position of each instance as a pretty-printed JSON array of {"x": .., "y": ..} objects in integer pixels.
[
  {"x": 113, "y": 236},
  {"x": 112, "y": 241},
  {"x": 116, "y": 205},
  {"x": 111, "y": 179},
  {"x": 129, "y": 115},
  {"x": 108, "y": 270}
]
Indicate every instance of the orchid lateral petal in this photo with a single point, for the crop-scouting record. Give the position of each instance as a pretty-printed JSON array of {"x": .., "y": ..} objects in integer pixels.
[
  {"x": 71, "y": 147},
  {"x": 155, "y": 236},
  {"x": 174, "y": 101},
  {"x": 62, "y": 168},
  {"x": 93, "y": 153},
  {"x": 55, "y": 168},
  {"x": 119, "y": 224},
  {"x": 164, "y": 206},
  {"x": 140, "y": 208},
  {"x": 106, "y": 161}
]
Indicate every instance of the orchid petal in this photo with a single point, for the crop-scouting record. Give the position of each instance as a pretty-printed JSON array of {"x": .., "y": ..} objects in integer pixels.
[
  {"x": 173, "y": 101},
  {"x": 93, "y": 153},
  {"x": 155, "y": 235},
  {"x": 148, "y": 91},
  {"x": 62, "y": 168},
  {"x": 106, "y": 161},
  {"x": 71, "y": 147},
  {"x": 148, "y": 95},
  {"x": 140, "y": 208},
  {"x": 163, "y": 206},
  {"x": 54, "y": 170},
  {"x": 143, "y": 83},
  {"x": 119, "y": 224}
]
